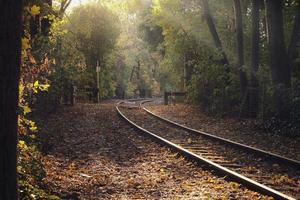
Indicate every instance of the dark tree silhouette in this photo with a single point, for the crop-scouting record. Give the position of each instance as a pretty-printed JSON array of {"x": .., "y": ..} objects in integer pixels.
[
  {"x": 255, "y": 57},
  {"x": 213, "y": 31},
  {"x": 292, "y": 49},
  {"x": 10, "y": 51},
  {"x": 279, "y": 63},
  {"x": 240, "y": 46}
]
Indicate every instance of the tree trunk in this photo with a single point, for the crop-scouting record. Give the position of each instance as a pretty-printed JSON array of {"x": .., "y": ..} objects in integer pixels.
[
  {"x": 240, "y": 46},
  {"x": 254, "y": 97},
  {"x": 295, "y": 36},
  {"x": 138, "y": 69},
  {"x": 10, "y": 46},
  {"x": 279, "y": 64},
  {"x": 184, "y": 71},
  {"x": 188, "y": 68},
  {"x": 214, "y": 33}
]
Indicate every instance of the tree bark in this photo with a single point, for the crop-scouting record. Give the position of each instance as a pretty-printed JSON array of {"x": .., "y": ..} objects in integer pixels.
[
  {"x": 63, "y": 7},
  {"x": 295, "y": 35},
  {"x": 214, "y": 33},
  {"x": 45, "y": 22},
  {"x": 279, "y": 63},
  {"x": 254, "y": 97},
  {"x": 188, "y": 67},
  {"x": 34, "y": 25},
  {"x": 255, "y": 36},
  {"x": 240, "y": 46},
  {"x": 10, "y": 51}
]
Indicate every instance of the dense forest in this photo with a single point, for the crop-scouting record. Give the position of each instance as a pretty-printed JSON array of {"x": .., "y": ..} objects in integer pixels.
[
  {"x": 232, "y": 57},
  {"x": 237, "y": 58},
  {"x": 222, "y": 54}
]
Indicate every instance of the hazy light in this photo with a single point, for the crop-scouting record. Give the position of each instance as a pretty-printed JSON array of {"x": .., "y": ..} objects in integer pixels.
[
  {"x": 76, "y": 3},
  {"x": 146, "y": 3}
]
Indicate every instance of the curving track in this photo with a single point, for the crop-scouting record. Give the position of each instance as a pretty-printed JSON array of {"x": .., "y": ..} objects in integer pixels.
[{"x": 252, "y": 167}]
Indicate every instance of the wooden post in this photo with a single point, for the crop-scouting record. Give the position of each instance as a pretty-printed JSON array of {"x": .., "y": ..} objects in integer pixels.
[
  {"x": 166, "y": 97},
  {"x": 98, "y": 79}
]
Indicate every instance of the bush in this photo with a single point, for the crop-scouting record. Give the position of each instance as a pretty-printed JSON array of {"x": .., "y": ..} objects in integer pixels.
[
  {"x": 213, "y": 87},
  {"x": 31, "y": 173}
]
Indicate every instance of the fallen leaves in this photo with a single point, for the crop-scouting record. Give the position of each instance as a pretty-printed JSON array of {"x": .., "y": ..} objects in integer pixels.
[
  {"x": 257, "y": 168},
  {"x": 95, "y": 155},
  {"x": 235, "y": 129}
]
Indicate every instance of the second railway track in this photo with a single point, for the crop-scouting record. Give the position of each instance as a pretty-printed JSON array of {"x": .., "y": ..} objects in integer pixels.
[{"x": 256, "y": 171}]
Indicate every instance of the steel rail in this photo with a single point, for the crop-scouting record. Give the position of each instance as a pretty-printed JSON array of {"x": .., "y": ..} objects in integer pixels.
[
  {"x": 222, "y": 170},
  {"x": 261, "y": 152}
]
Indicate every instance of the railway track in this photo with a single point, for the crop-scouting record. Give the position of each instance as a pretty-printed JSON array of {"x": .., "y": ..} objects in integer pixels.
[{"x": 258, "y": 170}]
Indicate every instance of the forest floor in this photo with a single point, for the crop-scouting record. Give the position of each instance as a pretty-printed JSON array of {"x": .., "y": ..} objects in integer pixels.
[
  {"x": 244, "y": 131},
  {"x": 92, "y": 154}
]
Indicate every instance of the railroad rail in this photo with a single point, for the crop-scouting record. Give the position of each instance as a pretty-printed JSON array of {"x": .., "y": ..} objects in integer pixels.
[
  {"x": 271, "y": 155},
  {"x": 194, "y": 146}
]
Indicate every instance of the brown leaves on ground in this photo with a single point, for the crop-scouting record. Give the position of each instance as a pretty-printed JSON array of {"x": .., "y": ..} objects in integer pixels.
[
  {"x": 93, "y": 154},
  {"x": 238, "y": 130}
]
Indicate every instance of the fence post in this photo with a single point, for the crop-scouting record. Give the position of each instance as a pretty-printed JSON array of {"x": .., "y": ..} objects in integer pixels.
[{"x": 166, "y": 95}]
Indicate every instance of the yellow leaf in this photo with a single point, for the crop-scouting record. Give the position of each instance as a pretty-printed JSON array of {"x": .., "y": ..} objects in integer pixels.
[
  {"x": 31, "y": 123},
  {"x": 19, "y": 168},
  {"x": 36, "y": 84},
  {"x": 24, "y": 54},
  {"x": 218, "y": 187},
  {"x": 26, "y": 110},
  {"x": 21, "y": 144},
  {"x": 33, "y": 128},
  {"x": 35, "y": 10},
  {"x": 211, "y": 180},
  {"x": 25, "y": 43},
  {"x": 21, "y": 90},
  {"x": 234, "y": 185},
  {"x": 44, "y": 87},
  {"x": 187, "y": 187}
]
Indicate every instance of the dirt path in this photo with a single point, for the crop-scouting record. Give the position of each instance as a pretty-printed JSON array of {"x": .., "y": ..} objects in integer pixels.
[{"x": 92, "y": 154}]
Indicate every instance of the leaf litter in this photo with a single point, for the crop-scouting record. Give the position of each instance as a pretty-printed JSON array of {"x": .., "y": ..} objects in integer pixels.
[
  {"x": 240, "y": 130},
  {"x": 92, "y": 154}
]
